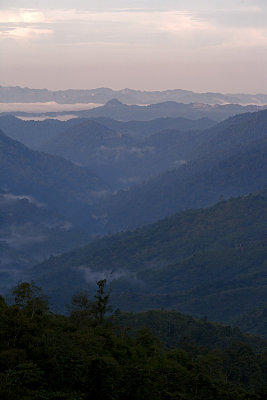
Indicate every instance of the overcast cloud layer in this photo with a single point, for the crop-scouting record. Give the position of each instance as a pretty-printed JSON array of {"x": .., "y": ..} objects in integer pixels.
[{"x": 143, "y": 44}]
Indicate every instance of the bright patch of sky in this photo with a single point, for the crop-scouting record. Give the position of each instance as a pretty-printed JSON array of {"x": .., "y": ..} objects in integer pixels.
[{"x": 217, "y": 45}]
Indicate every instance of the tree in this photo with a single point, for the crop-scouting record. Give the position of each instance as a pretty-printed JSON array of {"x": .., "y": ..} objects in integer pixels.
[
  {"x": 100, "y": 306},
  {"x": 85, "y": 311},
  {"x": 29, "y": 298}
]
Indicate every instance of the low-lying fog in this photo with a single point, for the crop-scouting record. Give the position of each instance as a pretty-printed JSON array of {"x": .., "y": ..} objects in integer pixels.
[{"x": 50, "y": 106}]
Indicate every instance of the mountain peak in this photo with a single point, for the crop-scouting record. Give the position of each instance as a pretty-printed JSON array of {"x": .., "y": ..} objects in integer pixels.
[{"x": 113, "y": 102}]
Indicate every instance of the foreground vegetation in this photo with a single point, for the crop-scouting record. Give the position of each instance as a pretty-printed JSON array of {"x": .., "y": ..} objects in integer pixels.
[{"x": 88, "y": 356}]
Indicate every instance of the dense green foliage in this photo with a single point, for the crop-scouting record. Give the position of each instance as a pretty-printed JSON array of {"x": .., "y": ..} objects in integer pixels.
[
  {"x": 48, "y": 356},
  {"x": 176, "y": 329},
  {"x": 208, "y": 262}
]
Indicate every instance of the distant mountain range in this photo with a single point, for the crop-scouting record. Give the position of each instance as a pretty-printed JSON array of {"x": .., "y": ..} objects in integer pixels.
[
  {"x": 229, "y": 159},
  {"x": 115, "y": 109},
  {"x": 174, "y": 169},
  {"x": 128, "y": 96},
  {"x": 203, "y": 262},
  {"x": 121, "y": 153},
  {"x": 123, "y": 159}
]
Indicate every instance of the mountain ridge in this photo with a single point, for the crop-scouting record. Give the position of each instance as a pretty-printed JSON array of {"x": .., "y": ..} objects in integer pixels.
[{"x": 130, "y": 96}]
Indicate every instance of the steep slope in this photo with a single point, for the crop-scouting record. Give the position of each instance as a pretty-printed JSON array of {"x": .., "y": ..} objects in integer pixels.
[
  {"x": 229, "y": 159},
  {"x": 234, "y": 134},
  {"x": 49, "y": 179},
  {"x": 198, "y": 183},
  {"x": 204, "y": 262}
]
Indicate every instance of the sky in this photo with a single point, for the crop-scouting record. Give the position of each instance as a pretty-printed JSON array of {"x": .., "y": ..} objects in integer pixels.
[{"x": 199, "y": 45}]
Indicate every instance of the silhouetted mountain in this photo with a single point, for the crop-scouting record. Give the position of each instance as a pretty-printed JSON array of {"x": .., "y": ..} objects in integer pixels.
[
  {"x": 128, "y": 96},
  {"x": 170, "y": 109},
  {"x": 203, "y": 262}
]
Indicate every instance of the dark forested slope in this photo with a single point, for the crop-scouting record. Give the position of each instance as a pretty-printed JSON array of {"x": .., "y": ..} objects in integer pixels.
[{"x": 205, "y": 262}]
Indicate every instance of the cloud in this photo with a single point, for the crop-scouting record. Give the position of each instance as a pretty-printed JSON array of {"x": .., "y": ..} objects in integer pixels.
[
  {"x": 24, "y": 32},
  {"x": 92, "y": 276},
  {"x": 10, "y": 198},
  {"x": 19, "y": 237},
  {"x": 121, "y": 43},
  {"x": 190, "y": 27},
  {"x": 49, "y": 106},
  {"x": 22, "y": 16}
]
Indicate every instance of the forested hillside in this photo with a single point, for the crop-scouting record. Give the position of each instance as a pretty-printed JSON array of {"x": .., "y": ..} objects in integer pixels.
[{"x": 208, "y": 262}]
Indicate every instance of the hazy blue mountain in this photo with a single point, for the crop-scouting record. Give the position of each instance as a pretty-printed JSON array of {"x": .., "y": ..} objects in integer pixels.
[
  {"x": 86, "y": 142},
  {"x": 235, "y": 133},
  {"x": 194, "y": 184},
  {"x": 119, "y": 158},
  {"x": 49, "y": 179},
  {"x": 29, "y": 233},
  {"x": 123, "y": 162},
  {"x": 128, "y": 96},
  {"x": 228, "y": 159},
  {"x": 141, "y": 130},
  {"x": 116, "y": 110},
  {"x": 203, "y": 262},
  {"x": 34, "y": 134}
]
